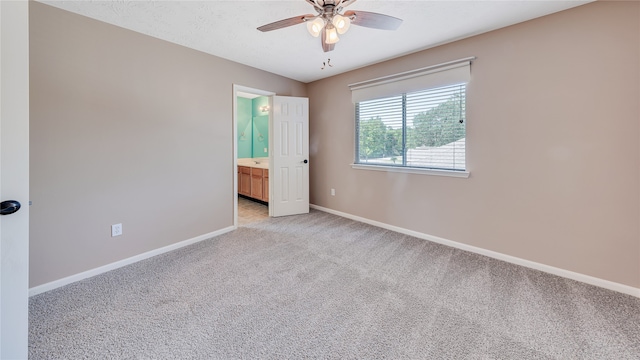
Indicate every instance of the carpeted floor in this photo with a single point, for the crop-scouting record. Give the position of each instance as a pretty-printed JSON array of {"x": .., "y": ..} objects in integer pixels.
[{"x": 319, "y": 286}]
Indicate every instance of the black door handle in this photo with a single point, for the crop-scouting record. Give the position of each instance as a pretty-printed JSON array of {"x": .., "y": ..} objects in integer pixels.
[
  {"x": 9, "y": 207},
  {"x": 305, "y": 161}
]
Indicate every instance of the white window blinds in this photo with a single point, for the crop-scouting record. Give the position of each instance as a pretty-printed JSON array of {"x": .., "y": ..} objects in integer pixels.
[{"x": 453, "y": 72}]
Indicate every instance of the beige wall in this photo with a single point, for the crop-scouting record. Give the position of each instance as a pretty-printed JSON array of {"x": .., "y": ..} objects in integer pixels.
[
  {"x": 553, "y": 145},
  {"x": 127, "y": 129}
]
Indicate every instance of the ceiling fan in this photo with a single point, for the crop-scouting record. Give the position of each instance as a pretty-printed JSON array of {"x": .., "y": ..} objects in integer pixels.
[{"x": 330, "y": 21}]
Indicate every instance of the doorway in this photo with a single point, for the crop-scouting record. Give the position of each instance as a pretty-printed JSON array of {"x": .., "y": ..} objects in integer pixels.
[
  {"x": 280, "y": 179},
  {"x": 251, "y": 154}
]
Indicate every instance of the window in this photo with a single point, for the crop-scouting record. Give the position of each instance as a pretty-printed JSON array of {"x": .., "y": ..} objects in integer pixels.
[
  {"x": 423, "y": 129},
  {"x": 413, "y": 121}
]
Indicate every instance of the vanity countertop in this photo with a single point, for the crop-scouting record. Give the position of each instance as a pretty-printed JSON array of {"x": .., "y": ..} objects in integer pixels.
[{"x": 260, "y": 163}]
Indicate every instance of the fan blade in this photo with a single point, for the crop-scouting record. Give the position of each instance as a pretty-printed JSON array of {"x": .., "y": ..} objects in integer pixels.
[
  {"x": 373, "y": 20},
  {"x": 285, "y": 22},
  {"x": 326, "y": 47}
]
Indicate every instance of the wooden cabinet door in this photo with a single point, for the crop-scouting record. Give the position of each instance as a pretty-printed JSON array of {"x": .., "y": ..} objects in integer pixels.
[
  {"x": 265, "y": 185},
  {"x": 256, "y": 183},
  {"x": 245, "y": 181}
]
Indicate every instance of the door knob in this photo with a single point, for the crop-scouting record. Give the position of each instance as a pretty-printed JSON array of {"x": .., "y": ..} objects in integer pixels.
[
  {"x": 305, "y": 161},
  {"x": 9, "y": 207}
]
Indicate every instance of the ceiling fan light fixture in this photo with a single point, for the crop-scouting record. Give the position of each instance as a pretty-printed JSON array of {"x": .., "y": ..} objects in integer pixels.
[
  {"x": 331, "y": 34},
  {"x": 329, "y": 21},
  {"x": 315, "y": 26},
  {"x": 341, "y": 23}
]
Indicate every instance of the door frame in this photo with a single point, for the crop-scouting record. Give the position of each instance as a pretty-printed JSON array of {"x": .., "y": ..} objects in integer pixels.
[{"x": 236, "y": 89}]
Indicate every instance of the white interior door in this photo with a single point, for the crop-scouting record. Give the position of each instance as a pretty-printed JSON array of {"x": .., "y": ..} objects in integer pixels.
[
  {"x": 14, "y": 178},
  {"x": 289, "y": 174}
]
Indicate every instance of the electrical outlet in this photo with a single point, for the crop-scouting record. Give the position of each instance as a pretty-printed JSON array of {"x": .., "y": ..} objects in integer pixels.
[
  {"x": 116, "y": 230},
  {"x": 333, "y": 192}
]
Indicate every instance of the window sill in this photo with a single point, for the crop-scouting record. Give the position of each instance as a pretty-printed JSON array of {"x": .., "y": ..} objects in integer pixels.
[{"x": 412, "y": 170}]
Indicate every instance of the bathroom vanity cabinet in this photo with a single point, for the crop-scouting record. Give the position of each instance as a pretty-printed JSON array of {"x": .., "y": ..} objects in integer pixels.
[
  {"x": 253, "y": 182},
  {"x": 244, "y": 180}
]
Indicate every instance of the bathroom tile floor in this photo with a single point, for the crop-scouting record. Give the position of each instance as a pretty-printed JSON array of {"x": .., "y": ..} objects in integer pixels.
[{"x": 251, "y": 211}]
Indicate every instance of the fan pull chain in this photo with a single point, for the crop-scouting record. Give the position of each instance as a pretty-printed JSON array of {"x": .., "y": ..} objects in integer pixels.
[{"x": 324, "y": 64}]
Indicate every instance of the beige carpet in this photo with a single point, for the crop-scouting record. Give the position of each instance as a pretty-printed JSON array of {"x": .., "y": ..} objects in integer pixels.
[{"x": 318, "y": 286}]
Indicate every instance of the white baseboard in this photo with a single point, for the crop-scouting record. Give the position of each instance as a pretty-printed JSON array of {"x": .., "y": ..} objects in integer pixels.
[
  {"x": 625, "y": 289},
  {"x": 118, "y": 264}
]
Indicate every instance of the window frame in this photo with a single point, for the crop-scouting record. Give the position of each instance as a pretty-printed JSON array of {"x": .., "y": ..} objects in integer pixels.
[{"x": 412, "y": 170}]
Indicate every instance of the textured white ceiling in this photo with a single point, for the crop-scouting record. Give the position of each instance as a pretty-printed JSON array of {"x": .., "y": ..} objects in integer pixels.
[{"x": 228, "y": 28}]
